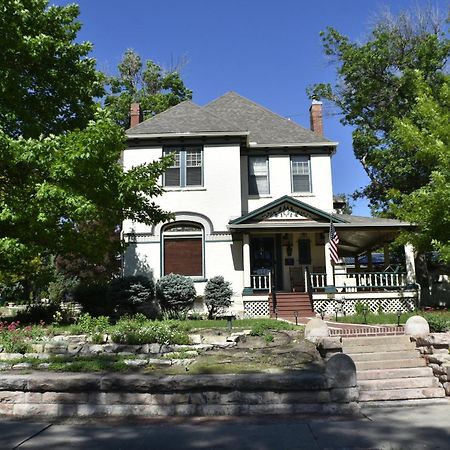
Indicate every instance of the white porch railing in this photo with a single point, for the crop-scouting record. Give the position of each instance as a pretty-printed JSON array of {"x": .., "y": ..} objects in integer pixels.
[
  {"x": 361, "y": 281},
  {"x": 261, "y": 282}
]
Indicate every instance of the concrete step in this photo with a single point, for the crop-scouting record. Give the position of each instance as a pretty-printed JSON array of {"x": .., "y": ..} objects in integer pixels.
[
  {"x": 393, "y": 346},
  {"x": 398, "y": 383},
  {"x": 384, "y": 356},
  {"x": 374, "y": 340},
  {"x": 407, "y": 372},
  {"x": 390, "y": 364},
  {"x": 401, "y": 394}
]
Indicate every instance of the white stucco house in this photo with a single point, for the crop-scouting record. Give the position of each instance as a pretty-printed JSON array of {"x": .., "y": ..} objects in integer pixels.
[{"x": 252, "y": 196}]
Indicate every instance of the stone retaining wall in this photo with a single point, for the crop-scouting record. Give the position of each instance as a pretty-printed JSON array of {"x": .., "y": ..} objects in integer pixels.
[
  {"x": 81, "y": 395},
  {"x": 435, "y": 348}
]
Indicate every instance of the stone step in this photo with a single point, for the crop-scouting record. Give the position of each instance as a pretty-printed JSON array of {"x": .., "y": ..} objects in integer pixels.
[
  {"x": 384, "y": 356},
  {"x": 401, "y": 394},
  {"x": 398, "y": 383},
  {"x": 393, "y": 346},
  {"x": 374, "y": 340},
  {"x": 390, "y": 364},
  {"x": 407, "y": 372}
]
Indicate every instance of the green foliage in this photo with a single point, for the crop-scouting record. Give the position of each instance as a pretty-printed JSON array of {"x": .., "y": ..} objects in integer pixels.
[
  {"x": 48, "y": 203},
  {"x": 376, "y": 87},
  {"x": 92, "y": 325},
  {"x": 61, "y": 288},
  {"x": 438, "y": 322},
  {"x": 92, "y": 297},
  {"x": 175, "y": 293},
  {"x": 153, "y": 88},
  {"x": 427, "y": 131},
  {"x": 17, "y": 339},
  {"x": 135, "y": 332},
  {"x": 360, "y": 307},
  {"x": 37, "y": 313},
  {"x": 217, "y": 295},
  {"x": 11, "y": 292},
  {"x": 47, "y": 80},
  {"x": 127, "y": 295}
]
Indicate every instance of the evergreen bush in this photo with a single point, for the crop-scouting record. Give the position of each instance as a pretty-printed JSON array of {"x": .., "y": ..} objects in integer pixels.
[
  {"x": 175, "y": 294},
  {"x": 217, "y": 296}
]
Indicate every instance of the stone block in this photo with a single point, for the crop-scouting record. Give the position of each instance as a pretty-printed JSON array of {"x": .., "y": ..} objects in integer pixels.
[
  {"x": 344, "y": 395},
  {"x": 5, "y": 366},
  {"x": 12, "y": 397},
  {"x": 447, "y": 388},
  {"x": 33, "y": 397},
  {"x": 417, "y": 326},
  {"x": 111, "y": 348},
  {"x": 316, "y": 329},
  {"x": 37, "y": 355},
  {"x": 36, "y": 409},
  {"x": 55, "y": 348},
  {"x": 21, "y": 366},
  {"x": 195, "y": 338},
  {"x": 65, "y": 397},
  {"x": 66, "y": 383},
  {"x": 340, "y": 371},
  {"x": 6, "y": 356},
  {"x": 136, "y": 362},
  {"x": 38, "y": 348}
]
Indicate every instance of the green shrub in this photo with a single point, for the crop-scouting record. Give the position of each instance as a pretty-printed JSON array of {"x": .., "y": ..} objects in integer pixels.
[
  {"x": 128, "y": 295},
  {"x": 17, "y": 339},
  {"x": 37, "y": 313},
  {"x": 91, "y": 325},
  {"x": 93, "y": 299},
  {"x": 11, "y": 292},
  {"x": 217, "y": 295},
  {"x": 439, "y": 323},
  {"x": 61, "y": 288},
  {"x": 360, "y": 307},
  {"x": 175, "y": 293},
  {"x": 136, "y": 332}
]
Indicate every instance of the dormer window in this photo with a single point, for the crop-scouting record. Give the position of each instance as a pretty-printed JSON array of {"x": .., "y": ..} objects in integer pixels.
[
  {"x": 258, "y": 175},
  {"x": 187, "y": 168},
  {"x": 300, "y": 174}
]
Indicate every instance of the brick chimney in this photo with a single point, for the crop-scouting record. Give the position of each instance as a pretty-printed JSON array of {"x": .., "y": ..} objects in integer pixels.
[
  {"x": 135, "y": 114},
  {"x": 315, "y": 117}
]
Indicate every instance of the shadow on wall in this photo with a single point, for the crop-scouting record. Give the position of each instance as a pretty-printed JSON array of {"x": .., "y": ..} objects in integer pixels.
[{"x": 135, "y": 264}]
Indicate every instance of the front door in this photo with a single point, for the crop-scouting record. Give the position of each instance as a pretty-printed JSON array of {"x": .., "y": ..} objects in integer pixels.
[{"x": 264, "y": 257}]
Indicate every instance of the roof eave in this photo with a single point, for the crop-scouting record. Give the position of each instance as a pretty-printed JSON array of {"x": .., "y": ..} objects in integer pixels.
[
  {"x": 298, "y": 144},
  {"x": 188, "y": 134}
]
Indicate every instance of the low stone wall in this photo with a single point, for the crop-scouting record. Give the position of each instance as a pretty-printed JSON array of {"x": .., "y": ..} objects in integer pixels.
[
  {"x": 81, "y": 395},
  {"x": 435, "y": 348}
]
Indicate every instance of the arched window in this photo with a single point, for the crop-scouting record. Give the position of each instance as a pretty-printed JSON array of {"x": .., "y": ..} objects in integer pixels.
[{"x": 183, "y": 249}]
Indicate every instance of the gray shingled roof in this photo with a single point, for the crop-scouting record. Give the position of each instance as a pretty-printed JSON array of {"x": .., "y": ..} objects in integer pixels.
[
  {"x": 265, "y": 126},
  {"x": 186, "y": 117},
  {"x": 371, "y": 221},
  {"x": 230, "y": 113}
]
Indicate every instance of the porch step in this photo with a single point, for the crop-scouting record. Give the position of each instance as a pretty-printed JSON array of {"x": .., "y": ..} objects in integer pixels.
[
  {"x": 390, "y": 368},
  {"x": 290, "y": 303}
]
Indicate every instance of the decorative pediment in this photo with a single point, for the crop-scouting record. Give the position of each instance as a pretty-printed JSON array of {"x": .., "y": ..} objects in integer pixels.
[{"x": 288, "y": 210}]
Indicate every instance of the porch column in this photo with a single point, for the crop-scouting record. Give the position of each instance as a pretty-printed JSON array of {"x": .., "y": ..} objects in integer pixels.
[
  {"x": 246, "y": 259},
  {"x": 387, "y": 258},
  {"x": 410, "y": 265},
  {"x": 357, "y": 265},
  {"x": 369, "y": 261},
  {"x": 328, "y": 265}
]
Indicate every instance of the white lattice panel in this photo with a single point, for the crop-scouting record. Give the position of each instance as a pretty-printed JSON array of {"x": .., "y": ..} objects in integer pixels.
[
  {"x": 256, "y": 308},
  {"x": 347, "y": 307}
]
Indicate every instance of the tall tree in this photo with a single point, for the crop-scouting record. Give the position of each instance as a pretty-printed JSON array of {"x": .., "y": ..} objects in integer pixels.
[
  {"x": 426, "y": 131},
  {"x": 47, "y": 81},
  {"x": 67, "y": 194},
  {"x": 375, "y": 85},
  {"x": 154, "y": 88}
]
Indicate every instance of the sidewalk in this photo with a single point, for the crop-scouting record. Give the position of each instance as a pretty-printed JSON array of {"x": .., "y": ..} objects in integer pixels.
[{"x": 420, "y": 426}]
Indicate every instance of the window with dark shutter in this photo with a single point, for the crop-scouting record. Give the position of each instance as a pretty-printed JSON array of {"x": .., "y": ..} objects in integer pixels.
[{"x": 183, "y": 249}]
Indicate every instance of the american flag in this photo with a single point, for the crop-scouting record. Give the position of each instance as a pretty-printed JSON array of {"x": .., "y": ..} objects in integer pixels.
[{"x": 334, "y": 241}]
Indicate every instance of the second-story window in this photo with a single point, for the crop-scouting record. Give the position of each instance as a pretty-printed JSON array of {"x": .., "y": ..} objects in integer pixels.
[
  {"x": 187, "y": 168},
  {"x": 301, "y": 174},
  {"x": 258, "y": 175}
]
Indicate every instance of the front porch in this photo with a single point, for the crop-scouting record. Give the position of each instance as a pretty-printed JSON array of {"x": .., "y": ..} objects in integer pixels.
[{"x": 285, "y": 249}]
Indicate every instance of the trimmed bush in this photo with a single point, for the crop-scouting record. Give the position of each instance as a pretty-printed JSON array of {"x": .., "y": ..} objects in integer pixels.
[
  {"x": 92, "y": 297},
  {"x": 132, "y": 294},
  {"x": 217, "y": 296},
  {"x": 175, "y": 293}
]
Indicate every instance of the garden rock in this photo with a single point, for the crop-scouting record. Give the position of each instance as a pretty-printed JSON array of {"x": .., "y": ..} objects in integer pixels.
[
  {"x": 417, "y": 326},
  {"x": 160, "y": 362},
  {"x": 24, "y": 365},
  {"x": 5, "y": 366},
  {"x": 136, "y": 362},
  {"x": 316, "y": 329}
]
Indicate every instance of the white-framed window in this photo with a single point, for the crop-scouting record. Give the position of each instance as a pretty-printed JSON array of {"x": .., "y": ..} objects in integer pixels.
[
  {"x": 183, "y": 249},
  {"x": 258, "y": 175},
  {"x": 300, "y": 173},
  {"x": 187, "y": 168}
]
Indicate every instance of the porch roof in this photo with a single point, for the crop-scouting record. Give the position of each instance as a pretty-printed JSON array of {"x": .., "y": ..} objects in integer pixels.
[{"x": 357, "y": 234}]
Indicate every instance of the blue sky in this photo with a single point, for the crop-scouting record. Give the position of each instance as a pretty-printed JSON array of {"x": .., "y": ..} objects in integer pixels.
[{"x": 266, "y": 50}]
